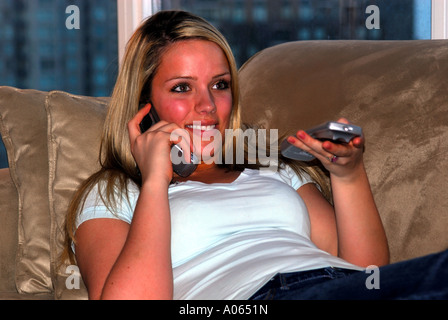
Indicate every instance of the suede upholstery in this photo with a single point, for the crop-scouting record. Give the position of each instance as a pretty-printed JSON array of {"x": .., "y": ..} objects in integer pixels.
[{"x": 396, "y": 90}]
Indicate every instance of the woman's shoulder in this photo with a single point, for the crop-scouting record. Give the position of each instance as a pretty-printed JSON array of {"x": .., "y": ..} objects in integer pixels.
[
  {"x": 100, "y": 193},
  {"x": 104, "y": 202}
]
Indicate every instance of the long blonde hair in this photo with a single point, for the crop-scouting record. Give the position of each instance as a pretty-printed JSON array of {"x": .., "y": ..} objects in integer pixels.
[{"x": 133, "y": 87}]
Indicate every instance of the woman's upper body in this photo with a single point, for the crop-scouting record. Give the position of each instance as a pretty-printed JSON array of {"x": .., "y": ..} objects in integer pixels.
[
  {"x": 227, "y": 239},
  {"x": 191, "y": 79}
]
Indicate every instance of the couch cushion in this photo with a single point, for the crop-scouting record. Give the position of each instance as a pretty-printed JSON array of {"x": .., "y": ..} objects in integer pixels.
[
  {"x": 24, "y": 132},
  {"x": 396, "y": 90},
  {"x": 8, "y": 233},
  {"x": 74, "y": 132}
]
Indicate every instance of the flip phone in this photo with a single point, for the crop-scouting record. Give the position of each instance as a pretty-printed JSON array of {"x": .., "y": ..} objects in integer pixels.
[
  {"x": 183, "y": 169},
  {"x": 334, "y": 131}
]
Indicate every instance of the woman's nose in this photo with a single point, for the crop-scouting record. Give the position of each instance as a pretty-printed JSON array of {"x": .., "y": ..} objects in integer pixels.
[{"x": 205, "y": 103}]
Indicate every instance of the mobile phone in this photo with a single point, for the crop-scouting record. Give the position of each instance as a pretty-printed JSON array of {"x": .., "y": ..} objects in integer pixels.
[
  {"x": 335, "y": 131},
  {"x": 183, "y": 169}
]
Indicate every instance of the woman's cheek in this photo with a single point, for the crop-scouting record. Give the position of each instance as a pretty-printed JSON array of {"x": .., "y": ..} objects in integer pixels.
[{"x": 174, "y": 112}]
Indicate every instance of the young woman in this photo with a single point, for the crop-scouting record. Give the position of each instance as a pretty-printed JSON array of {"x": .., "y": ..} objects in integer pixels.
[{"x": 139, "y": 230}]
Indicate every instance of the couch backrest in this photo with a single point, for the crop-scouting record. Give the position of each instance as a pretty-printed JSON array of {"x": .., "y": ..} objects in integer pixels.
[{"x": 397, "y": 91}]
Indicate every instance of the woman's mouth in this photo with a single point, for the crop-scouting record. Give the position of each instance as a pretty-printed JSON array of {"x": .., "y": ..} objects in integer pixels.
[
  {"x": 204, "y": 131},
  {"x": 200, "y": 127},
  {"x": 204, "y": 137}
]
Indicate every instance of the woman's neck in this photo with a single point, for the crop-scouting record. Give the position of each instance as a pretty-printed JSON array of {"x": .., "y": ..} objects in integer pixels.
[{"x": 210, "y": 173}]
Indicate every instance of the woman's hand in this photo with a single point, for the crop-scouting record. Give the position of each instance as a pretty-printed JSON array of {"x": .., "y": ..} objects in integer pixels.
[
  {"x": 151, "y": 149},
  {"x": 341, "y": 160}
]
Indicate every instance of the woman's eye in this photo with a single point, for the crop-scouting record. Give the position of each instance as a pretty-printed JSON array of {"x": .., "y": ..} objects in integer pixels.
[
  {"x": 182, "y": 87},
  {"x": 222, "y": 85}
]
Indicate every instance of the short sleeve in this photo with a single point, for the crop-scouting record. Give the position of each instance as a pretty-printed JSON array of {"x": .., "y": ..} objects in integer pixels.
[
  {"x": 94, "y": 206},
  {"x": 293, "y": 179}
]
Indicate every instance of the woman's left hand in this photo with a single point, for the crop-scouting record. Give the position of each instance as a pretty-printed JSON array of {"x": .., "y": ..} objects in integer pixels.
[{"x": 341, "y": 160}]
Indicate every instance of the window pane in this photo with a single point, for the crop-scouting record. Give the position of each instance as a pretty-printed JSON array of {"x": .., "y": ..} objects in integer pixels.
[
  {"x": 38, "y": 51},
  {"x": 252, "y": 25},
  {"x": 3, "y": 156},
  {"x": 41, "y": 46}
]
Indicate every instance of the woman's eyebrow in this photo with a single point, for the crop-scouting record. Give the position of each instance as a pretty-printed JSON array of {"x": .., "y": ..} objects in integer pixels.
[
  {"x": 195, "y": 78},
  {"x": 181, "y": 78},
  {"x": 222, "y": 75}
]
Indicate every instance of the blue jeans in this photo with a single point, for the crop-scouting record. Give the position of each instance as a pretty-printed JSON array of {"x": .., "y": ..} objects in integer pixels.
[{"x": 421, "y": 278}]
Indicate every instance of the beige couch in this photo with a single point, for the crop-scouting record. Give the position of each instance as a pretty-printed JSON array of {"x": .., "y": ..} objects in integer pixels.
[{"x": 397, "y": 91}]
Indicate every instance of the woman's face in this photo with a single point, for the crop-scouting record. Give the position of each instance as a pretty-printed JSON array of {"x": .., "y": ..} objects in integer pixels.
[{"x": 192, "y": 85}]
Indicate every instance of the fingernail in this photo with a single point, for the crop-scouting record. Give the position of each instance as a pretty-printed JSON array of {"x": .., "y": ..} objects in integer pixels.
[
  {"x": 291, "y": 139},
  {"x": 301, "y": 135}
]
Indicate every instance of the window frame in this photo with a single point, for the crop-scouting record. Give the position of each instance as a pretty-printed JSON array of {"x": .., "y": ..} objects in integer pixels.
[
  {"x": 439, "y": 19},
  {"x": 132, "y": 12}
]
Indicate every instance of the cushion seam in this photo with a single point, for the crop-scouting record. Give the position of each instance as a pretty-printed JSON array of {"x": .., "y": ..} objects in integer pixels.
[{"x": 10, "y": 149}]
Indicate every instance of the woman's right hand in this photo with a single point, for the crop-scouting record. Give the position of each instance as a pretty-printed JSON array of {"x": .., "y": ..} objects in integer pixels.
[{"x": 151, "y": 149}]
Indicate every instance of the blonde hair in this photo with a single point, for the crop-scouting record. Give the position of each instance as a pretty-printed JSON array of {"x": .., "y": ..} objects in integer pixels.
[
  {"x": 133, "y": 87},
  {"x": 140, "y": 64}
]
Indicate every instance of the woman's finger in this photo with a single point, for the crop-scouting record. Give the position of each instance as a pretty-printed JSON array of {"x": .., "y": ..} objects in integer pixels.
[{"x": 134, "y": 123}]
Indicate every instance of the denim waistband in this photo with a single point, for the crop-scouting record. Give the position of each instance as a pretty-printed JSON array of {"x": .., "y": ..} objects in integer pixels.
[{"x": 283, "y": 281}]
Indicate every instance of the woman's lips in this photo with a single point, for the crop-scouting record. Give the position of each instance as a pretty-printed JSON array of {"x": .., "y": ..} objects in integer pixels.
[
  {"x": 200, "y": 127},
  {"x": 206, "y": 137},
  {"x": 204, "y": 131}
]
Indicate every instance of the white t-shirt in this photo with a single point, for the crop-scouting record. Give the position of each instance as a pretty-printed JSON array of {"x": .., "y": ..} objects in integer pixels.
[{"x": 229, "y": 239}]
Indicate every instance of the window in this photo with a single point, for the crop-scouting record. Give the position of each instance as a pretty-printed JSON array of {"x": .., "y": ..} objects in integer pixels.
[
  {"x": 439, "y": 19},
  {"x": 34, "y": 31},
  {"x": 253, "y": 25},
  {"x": 39, "y": 51}
]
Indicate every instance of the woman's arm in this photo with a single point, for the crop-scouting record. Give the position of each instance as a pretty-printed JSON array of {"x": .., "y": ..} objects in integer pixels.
[
  {"x": 143, "y": 268},
  {"x": 362, "y": 239},
  {"x": 352, "y": 229},
  {"x": 122, "y": 261}
]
